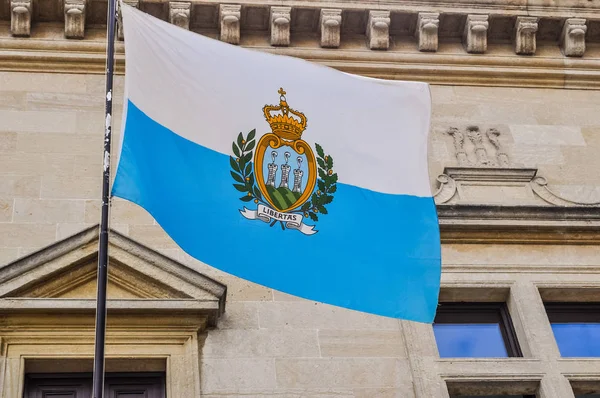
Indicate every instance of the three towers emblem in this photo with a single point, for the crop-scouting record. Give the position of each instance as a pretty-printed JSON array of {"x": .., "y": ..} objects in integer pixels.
[{"x": 263, "y": 172}]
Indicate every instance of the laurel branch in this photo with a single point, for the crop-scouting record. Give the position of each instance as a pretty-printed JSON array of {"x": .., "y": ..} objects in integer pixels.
[
  {"x": 241, "y": 167},
  {"x": 326, "y": 187}
]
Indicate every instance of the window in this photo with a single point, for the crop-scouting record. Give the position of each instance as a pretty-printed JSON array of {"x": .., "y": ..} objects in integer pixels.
[
  {"x": 576, "y": 328},
  {"x": 586, "y": 388},
  {"x": 475, "y": 330},
  {"x": 493, "y": 388},
  {"x": 492, "y": 396}
]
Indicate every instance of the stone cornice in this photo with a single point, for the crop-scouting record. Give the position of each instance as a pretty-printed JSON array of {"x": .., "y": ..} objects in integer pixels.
[
  {"x": 493, "y": 42},
  {"x": 519, "y": 224},
  {"x": 65, "y": 56}
]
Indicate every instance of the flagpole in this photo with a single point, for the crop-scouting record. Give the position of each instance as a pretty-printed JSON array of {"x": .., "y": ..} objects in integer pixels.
[{"x": 102, "y": 277}]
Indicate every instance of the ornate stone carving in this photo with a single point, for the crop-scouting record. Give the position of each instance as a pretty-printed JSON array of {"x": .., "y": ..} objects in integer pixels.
[
  {"x": 540, "y": 187},
  {"x": 427, "y": 31},
  {"x": 179, "y": 13},
  {"x": 501, "y": 156},
  {"x": 479, "y": 150},
  {"x": 486, "y": 186},
  {"x": 20, "y": 17},
  {"x": 132, "y": 3},
  {"x": 525, "y": 30},
  {"x": 475, "y": 33},
  {"x": 280, "y": 26},
  {"x": 459, "y": 146},
  {"x": 74, "y": 19},
  {"x": 229, "y": 17},
  {"x": 330, "y": 23},
  {"x": 573, "y": 37},
  {"x": 378, "y": 30}
]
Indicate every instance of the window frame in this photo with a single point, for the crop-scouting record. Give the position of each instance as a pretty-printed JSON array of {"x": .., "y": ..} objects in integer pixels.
[{"x": 467, "y": 312}]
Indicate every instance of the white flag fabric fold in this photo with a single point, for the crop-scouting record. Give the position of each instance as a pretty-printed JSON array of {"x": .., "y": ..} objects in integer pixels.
[{"x": 286, "y": 173}]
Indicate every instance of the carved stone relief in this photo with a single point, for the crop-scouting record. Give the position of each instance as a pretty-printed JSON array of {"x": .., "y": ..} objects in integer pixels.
[
  {"x": 20, "y": 17},
  {"x": 229, "y": 17},
  {"x": 475, "y": 34},
  {"x": 132, "y": 3},
  {"x": 378, "y": 30},
  {"x": 525, "y": 35},
  {"x": 485, "y": 175},
  {"x": 330, "y": 23},
  {"x": 179, "y": 13},
  {"x": 573, "y": 37},
  {"x": 474, "y": 148},
  {"x": 74, "y": 19},
  {"x": 499, "y": 186},
  {"x": 427, "y": 31},
  {"x": 280, "y": 26}
]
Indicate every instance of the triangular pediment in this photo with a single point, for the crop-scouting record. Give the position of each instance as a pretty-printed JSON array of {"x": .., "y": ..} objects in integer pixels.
[{"x": 67, "y": 270}]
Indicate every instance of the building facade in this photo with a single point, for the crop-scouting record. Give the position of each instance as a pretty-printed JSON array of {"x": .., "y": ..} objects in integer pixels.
[{"x": 514, "y": 165}]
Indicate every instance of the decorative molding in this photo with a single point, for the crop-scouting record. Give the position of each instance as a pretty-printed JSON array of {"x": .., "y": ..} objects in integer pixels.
[
  {"x": 229, "y": 22},
  {"x": 426, "y": 31},
  {"x": 280, "y": 26},
  {"x": 179, "y": 13},
  {"x": 475, "y": 33},
  {"x": 476, "y": 185},
  {"x": 519, "y": 224},
  {"x": 500, "y": 186},
  {"x": 132, "y": 3},
  {"x": 75, "y": 19},
  {"x": 20, "y": 18},
  {"x": 525, "y": 35},
  {"x": 52, "y": 54},
  {"x": 573, "y": 37},
  {"x": 540, "y": 187},
  {"x": 378, "y": 30},
  {"x": 330, "y": 22}
]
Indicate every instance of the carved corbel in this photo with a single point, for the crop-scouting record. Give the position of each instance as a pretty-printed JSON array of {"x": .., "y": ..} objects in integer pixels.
[
  {"x": 573, "y": 37},
  {"x": 20, "y": 17},
  {"x": 525, "y": 31},
  {"x": 280, "y": 26},
  {"x": 475, "y": 34},
  {"x": 132, "y": 3},
  {"x": 74, "y": 19},
  {"x": 426, "y": 31},
  {"x": 179, "y": 13},
  {"x": 229, "y": 17},
  {"x": 330, "y": 24},
  {"x": 378, "y": 30}
]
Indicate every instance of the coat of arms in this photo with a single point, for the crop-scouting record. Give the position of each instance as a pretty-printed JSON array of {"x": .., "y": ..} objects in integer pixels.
[{"x": 281, "y": 174}]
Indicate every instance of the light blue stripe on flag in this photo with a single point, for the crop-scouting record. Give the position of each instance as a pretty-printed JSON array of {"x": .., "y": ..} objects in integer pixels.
[{"x": 374, "y": 252}]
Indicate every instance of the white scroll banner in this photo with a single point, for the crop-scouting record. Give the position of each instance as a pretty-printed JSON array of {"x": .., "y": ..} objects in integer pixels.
[{"x": 291, "y": 220}]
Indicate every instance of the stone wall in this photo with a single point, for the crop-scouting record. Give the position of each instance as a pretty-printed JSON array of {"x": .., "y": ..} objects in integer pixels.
[{"x": 272, "y": 344}]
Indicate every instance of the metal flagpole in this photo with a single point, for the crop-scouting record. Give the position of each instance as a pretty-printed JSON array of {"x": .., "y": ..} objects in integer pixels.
[{"x": 100, "y": 337}]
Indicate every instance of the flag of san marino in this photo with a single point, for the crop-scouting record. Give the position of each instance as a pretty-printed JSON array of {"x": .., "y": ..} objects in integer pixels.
[{"x": 286, "y": 173}]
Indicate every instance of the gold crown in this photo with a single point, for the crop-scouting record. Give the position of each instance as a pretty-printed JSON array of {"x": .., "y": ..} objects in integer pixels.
[{"x": 282, "y": 124}]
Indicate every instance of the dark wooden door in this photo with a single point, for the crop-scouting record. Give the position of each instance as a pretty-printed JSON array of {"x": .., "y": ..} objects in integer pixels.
[{"x": 123, "y": 385}]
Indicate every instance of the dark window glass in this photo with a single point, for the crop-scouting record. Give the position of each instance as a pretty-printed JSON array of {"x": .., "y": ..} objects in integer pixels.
[
  {"x": 576, "y": 328},
  {"x": 475, "y": 330},
  {"x": 492, "y": 396}
]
